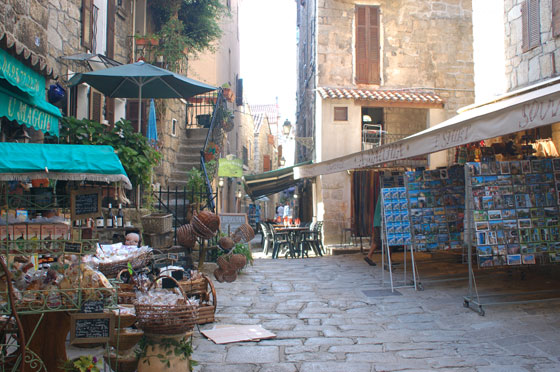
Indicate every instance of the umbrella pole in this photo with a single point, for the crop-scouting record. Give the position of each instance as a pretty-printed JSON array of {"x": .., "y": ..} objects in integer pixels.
[{"x": 140, "y": 108}]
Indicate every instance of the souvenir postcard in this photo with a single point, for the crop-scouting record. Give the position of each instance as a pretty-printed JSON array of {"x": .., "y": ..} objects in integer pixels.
[
  {"x": 501, "y": 235},
  {"x": 484, "y": 250},
  {"x": 509, "y": 214},
  {"x": 421, "y": 247},
  {"x": 535, "y": 235},
  {"x": 524, "y": 223},
  {"x": 474, "y": 168},
  {"x": 494, "y": 214},
  {"x": 481, "y": 238},
  {"x": 421, "y": 239},
  {"x": 513, "y": 248},
  {"x": 485, "y": 261},
  {"x": 484, "y": 168},
  {"x": 510, "y": 224},
  {"x": 532, "y": 179},
  {"x": 552, "y": 221},
  {"x": 414, "y": 186},
  {"x": 456, "y": 236},
  {"x": 490, "y": 180},
  {"x": 547, "y": 165},
  {"x": 554, "y": 246},
  {"x": 439, "y": 211},
  {"x": 502, "y": 250},
  {"x": 487, "y": 202},
  {"x": 539, "y": 222},
  {"x": 556, "y": 164},
  {"x": 455, "y": 244},
  {"x": 514, "y": 259},
  {"x": 536, "y": 213},
  {"x": 477, "y": 181},
  {"x": 496, "y": 225},
  {"x": 440, "y": 218},
  {"x": 537, "y": 165},
  {"x": 494, "y": 167},
  {"x": 554, "y": 234},
  {"x": 506, "y": 190},
  {"x": 537, "y": 247},
  {"x": 427, "y": 175},
  {"x": 529, "y": 259},
  {"x": 548, "y": 178},
  {"x": 558, "y": 197},
  {"x": 491, "y": 190},
  {"x": 512, "y": 236},
  {"x": 494, "y": 250},
  {"x": 504, "y": 167},
  {"x": 442, "y": 228},
  {"x": 431, "y": 246},
  {"x": 504, "y": 180},
  {"x": 554, "y": 257},
  {"x": 524, "y": 235},
  {"x": 524, "y": 248},
  {"x": 492, "y": 237},
  {"x": 557, "y": 176},
  {"x": 499, "y": 260},
  {"x": 522, "y": 201},
  {"x": 443, "y": 174},
  {"x": 514, "y": 167},
  {"x": 525, "y": 166},
  {"x": 539, "y": 200},
  {"x": 550, "y": 198},
  {"x": 482, "y": 226},
  {"x": 477, "y": 202},
  {"x": 523, "y": 213}
]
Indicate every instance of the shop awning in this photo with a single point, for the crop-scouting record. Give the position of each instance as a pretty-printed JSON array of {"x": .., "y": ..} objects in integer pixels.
[
  {"x": 268, "y": 183},
  {"x": 527, "y": 108},
  {"x": 22, "y": 96},
  {"x": 22, "y": 161}
]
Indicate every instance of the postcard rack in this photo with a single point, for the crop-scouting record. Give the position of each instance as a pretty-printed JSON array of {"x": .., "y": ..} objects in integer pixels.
[
  {"x": 511, "y": 222},
  {"x": 395, "y": 231}
]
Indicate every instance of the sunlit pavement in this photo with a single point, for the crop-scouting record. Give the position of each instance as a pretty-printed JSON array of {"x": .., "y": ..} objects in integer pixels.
[{"x": 324, "y": 320}]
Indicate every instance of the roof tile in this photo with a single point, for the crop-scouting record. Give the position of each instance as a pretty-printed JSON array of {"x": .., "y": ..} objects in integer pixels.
[{"x": 403, "y": 96}]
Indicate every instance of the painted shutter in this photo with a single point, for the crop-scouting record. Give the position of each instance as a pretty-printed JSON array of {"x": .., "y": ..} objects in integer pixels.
[
  {"x": 266, "y": 163},
  {"x": 95, "y": 106},
  {"x": 556, "y": 17},
  {"x": 367, "y": 45},
  {"x": 531, "y": 25},
  {"x": 239, "y": 92},
  {"x": 87, "y": 23},
  {"x": 111, "y": 11}
]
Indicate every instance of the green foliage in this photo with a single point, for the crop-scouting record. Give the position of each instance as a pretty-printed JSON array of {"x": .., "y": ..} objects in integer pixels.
[
  {"x": 197, "y": 21},
  {"x": 240, "y": 248},
  {"x": 85, "y": 363},
  {"x": 171, "y": 347},
  {"x": 135, "y": 153}
]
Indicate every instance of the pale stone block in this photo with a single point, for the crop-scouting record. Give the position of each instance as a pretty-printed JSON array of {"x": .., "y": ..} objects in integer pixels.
[
  {"x": 546, "y": 68},
  {"x": 534, "y": 69}
]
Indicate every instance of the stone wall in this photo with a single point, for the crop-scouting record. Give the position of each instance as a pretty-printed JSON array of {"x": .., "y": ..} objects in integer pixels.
[
  {"x": 401, "y": 121},
  {"x": 537, "y": 64}
]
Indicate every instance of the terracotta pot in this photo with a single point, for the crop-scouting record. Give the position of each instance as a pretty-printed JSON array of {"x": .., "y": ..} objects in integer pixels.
[{"x": 153, "y": 364}]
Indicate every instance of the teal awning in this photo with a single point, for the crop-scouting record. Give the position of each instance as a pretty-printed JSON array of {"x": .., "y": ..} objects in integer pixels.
[
  {"x": 22, "y": 161},
  {"x": 268, "y": 183},
  {"x": 22, "y": 96}
]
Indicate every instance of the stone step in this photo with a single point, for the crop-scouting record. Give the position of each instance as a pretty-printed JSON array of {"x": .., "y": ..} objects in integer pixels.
[
  {"x": 197, "y": 133},
  {"x": 182, "y": 158},
  {"x": 189, "y": 142}
]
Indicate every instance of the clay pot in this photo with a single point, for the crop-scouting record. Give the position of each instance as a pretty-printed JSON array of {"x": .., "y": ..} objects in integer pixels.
[{"x": 153, "y": 364}]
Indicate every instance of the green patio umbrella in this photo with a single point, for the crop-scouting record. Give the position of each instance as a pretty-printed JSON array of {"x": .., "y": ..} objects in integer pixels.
[{"x": 141, "y": 80}]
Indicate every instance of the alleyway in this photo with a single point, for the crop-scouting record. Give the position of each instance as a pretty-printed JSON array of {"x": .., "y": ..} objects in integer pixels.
[{"x": 325, "y": 322}]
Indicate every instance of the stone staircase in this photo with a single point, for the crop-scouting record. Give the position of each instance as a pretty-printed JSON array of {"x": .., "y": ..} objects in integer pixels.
[{"x": 188, "y": 156}]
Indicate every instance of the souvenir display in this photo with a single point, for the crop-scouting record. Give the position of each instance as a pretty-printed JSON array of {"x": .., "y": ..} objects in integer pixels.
[
  {"x": 437, "y": 208},
  {"x": 515, "y": 211},
  {"x": 395, "y": 216}
]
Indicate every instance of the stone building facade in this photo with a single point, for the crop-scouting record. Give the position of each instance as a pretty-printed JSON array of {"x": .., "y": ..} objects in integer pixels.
[{"x": 424, "y": 49}]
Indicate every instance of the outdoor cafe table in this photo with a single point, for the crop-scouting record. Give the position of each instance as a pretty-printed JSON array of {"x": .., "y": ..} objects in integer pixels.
[{"x": 294, "y": 233}]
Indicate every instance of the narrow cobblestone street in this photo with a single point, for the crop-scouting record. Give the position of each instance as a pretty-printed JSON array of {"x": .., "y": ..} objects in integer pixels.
[{"x": 324, "y": 321}]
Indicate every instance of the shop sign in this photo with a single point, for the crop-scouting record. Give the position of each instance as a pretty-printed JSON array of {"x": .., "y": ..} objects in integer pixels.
[{"x": 20, "y": 76}]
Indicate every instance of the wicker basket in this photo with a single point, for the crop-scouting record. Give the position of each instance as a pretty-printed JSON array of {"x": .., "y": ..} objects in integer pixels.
[
  {"x": 158, "y": 241},
  {"x": 166, "y": 319},
  {"x": 126, "y": 338},
  {"x": 111, "y": 269},
  {"x": 122, "y": 364},
  {"x": 124, "y": 320},
  {"x": 207, "y": 307},
  {"x": 157, "y": 223}
]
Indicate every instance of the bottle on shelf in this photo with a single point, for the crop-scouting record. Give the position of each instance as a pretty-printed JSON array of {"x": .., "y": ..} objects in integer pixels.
[
  {"x": 110, "y": 218},
  {"x": 100, "y": 221},
  {"x": 120, "y": 216}
]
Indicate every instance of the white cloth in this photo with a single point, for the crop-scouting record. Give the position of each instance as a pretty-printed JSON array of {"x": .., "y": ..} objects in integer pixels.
[{"x": 280, "y": 211}]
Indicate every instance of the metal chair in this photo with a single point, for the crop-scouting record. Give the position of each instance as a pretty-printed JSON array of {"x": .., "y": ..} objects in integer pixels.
[
  {"x": 314, "y": 239},
  {"x": 281, "y": 240},
  {"x": 267, "y": 238}
]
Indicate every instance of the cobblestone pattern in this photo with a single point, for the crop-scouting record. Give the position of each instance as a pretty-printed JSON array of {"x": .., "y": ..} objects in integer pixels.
[{"x": 324, "y": 322}]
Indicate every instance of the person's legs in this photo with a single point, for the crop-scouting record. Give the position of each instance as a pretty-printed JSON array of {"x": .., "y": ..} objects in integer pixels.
[{"x": 375, "y": 245}]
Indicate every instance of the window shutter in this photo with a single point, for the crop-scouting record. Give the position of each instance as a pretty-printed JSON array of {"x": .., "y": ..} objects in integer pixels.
[
  {"x": 266, "y": 163},
  {"x": 531, "y": 25},
  {"x": 132, "y": 114},
  {"x": 87, "y": 23},
  {"x": 111, "y": 11},
  {"x": 555, "y": 18},
  {"x": 525, "y": 26},
  {"x": 367, "y": 45},
  {"x": 95, "y": 113},
  {"x": 110, "y": 110},
  {"x": 239, "y": 92}
]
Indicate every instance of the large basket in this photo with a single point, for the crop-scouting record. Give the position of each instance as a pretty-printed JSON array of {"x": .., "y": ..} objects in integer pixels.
[
  {"x": 125, "y": 338},
  {"x": 111, "y": 269},
  {"x": 157, "y": 223},
  {"x": 166, "y": 319},
  {"x": 205, "y": 290}
]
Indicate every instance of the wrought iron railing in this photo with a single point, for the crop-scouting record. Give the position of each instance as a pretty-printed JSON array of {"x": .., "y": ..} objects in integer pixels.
[{"x": 373, "y": 136}]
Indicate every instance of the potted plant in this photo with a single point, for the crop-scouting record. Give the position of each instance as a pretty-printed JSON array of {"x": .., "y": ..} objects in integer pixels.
[
  {"x": 212, "y": 150},
  {"x": 84, "y": 363}
]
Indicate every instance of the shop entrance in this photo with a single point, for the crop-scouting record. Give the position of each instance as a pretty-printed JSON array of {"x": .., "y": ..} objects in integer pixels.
[{"x": 372, "y": 127}]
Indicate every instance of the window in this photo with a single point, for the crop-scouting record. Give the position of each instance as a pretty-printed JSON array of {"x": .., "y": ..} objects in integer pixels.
[
  {"x": 341, "y": 114},
  {"x": 174, "y": 127},
  {"x": 245, "y": 156},
  {"x": 267, "y": 165},
  {"x": 556, "y": 18},
  {"x": 367, "y": 45},
  {"x": 531, "y": 24}
]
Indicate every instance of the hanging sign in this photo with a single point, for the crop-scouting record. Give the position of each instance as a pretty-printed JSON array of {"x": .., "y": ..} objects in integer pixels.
[
  {"x": 229, "y": 222},
  {"x": 85, "y": 203}
]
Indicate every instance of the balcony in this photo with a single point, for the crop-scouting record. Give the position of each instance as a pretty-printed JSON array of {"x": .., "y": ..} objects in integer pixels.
[{"x": 373, "y": 135}]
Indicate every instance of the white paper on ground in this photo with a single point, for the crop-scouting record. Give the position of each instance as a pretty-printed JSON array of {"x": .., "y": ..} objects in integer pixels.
[{"x": 225, "y": 334}]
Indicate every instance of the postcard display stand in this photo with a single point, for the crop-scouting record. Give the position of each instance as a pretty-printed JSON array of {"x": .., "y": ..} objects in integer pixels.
[
  {"x": 396, "y": 231},
  {"x": 512, "y": 213}
]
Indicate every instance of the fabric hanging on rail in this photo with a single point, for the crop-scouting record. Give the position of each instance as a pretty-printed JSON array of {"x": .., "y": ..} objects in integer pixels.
[{"x": 365, "y": 188}]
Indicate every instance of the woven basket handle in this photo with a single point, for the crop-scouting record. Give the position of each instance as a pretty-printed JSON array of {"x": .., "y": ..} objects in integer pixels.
[
  {"x": 176, "y": 282},
  {"x": 213, "y": 289},
  {"x": 133, "y": 281}
]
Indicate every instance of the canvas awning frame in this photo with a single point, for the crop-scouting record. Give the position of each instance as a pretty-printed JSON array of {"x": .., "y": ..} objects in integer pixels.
[
  {"x": 25, "y": 161},
  {"x": 271, "y": 182},
  {"x": 524, "y": 109}
]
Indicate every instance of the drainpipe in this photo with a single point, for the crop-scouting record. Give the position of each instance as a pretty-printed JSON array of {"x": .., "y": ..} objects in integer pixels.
[{"x": 133, "y": 55}]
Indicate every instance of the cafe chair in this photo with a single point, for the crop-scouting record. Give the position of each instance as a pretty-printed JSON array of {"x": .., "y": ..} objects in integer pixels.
[
  {"x": 267, "y": 238},
  {"x": 281, "y": 244},
  {"x": 313, "y": 239}
]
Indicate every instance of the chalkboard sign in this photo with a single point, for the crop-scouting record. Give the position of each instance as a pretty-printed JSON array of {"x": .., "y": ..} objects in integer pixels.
[
  {"x": 72, "y": 247},
  {"x": 91, "y": 328},
  {"x": 85, "y": 203},
  {"x": 229, "y": 222},
  {"x": 90, "y": 307}
]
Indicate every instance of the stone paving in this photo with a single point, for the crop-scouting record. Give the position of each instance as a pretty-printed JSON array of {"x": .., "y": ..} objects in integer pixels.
[{"x": 324, "y": 322}]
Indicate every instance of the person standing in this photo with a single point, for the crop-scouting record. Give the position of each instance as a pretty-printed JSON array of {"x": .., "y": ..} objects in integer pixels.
[
  {"x": 376, "y": 241},
  {"x": 279, "y": 211}
]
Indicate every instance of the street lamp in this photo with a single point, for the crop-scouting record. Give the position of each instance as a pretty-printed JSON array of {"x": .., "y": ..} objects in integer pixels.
[
  {"x": 282, "y": 161},
  {"x": 221, "y": 182},
  {"x": 295, "y": 196},
  {"x": 286, "y": 127},
  {"x": 239, "y": 194}
]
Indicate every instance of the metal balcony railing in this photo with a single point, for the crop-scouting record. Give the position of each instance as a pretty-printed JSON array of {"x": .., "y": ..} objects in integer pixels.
[{"x": 373, "y": 135}]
